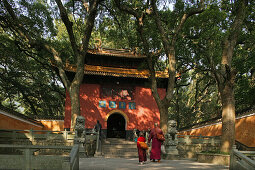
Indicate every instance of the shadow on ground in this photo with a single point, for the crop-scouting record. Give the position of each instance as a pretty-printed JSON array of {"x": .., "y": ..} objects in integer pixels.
[{"x": 132, "y": 163}]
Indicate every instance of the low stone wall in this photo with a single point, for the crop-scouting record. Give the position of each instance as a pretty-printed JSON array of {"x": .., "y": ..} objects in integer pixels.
[
  {"x": 218, "y": 159},
  {"x": 191, "y": 150},
  {"x": 27, "y": 160},
  {"x": 36, "y": 162}
]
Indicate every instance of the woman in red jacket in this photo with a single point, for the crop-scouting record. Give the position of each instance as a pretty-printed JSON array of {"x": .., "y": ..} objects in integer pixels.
[{"x": 141, "y": 151}]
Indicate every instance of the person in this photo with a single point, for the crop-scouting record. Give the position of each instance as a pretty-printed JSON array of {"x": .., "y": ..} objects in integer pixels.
[
  {"x": 98, "y": 128},
  {"x": 155, "y": 153},
  {"x": 135, "y": 137},
  {"x": 147, "y": 133},
  {"x": 141, "y": 152}
]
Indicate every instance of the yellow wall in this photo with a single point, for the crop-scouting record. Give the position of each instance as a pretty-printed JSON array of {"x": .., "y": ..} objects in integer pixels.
[
  {"x": 54, "y": 125},
  {"x": 244, "y": 130},
  {"x": 7, "y": 122}
]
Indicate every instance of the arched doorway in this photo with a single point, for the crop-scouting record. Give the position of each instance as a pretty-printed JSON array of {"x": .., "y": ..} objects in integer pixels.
[{"x": 116, "y": 126}]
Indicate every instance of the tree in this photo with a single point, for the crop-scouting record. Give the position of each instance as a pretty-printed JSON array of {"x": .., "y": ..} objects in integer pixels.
[
  {"x": 168, "y": 37},
  {"x": 31, "y": 25},
  {"x": 215, "y": 43},
  {"x": 225, "y": 77}
]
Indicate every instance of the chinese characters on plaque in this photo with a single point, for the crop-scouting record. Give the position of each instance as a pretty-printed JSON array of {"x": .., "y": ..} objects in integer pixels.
[{"x": 116, "y": 93}]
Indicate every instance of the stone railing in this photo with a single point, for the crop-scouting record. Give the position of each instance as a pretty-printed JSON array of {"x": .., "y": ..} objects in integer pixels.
[
  {"x": 190, "y": 139},
  {"x": 240, "y": 160},
  {"x": 44, "y": 137},
  {"x": 72, "y": 162},
  {"x": 34, "y": 135},
  {"x": 98, "y": 144},
  {"x": 29, "y": 160}
]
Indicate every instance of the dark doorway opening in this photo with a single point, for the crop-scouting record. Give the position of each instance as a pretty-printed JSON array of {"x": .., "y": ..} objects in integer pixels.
[{"x": 116, "y": 126}]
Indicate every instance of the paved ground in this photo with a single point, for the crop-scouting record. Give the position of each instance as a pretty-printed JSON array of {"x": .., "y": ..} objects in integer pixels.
[{"x": 132, "y": 163}]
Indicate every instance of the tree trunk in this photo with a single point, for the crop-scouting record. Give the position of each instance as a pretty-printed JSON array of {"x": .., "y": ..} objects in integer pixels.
[
  {"x": 226, "y": 78},
  {"x": 74, "y": 88},
  {"x": 75, "y": 104},
  {"x": 228, "y": 118},
  {"x": 177, "y": 108},
  {"x": 163, "y": 109}
]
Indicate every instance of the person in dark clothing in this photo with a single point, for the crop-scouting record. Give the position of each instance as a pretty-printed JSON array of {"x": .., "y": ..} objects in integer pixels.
[
  {"x": 98, "y": 128},
  {"x": 155, "y": 153}
]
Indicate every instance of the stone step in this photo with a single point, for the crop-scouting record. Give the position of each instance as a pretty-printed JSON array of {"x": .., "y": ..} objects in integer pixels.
[
  {"x": 121, "y": 155},
  {"x": 115, "y": 141},
  {"x": 119, "y": 148}
]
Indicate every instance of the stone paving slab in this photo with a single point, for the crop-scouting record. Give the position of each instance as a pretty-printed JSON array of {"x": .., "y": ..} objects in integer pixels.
[{"x": 132, "y": 163}]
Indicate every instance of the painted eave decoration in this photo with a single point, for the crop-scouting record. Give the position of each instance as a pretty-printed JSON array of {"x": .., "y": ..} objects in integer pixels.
[{"x": 116, "y": 72}]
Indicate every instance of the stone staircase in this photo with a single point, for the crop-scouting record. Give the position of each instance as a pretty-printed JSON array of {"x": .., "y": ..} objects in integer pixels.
[{"x": 119, "y": 148}]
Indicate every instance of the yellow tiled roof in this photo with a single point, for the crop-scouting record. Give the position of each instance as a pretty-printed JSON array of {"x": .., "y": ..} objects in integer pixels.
[{"x": 116, "y": 72}]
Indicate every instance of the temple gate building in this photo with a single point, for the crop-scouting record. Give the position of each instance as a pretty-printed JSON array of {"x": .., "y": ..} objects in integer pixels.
[{"x": 116, "y": 91}]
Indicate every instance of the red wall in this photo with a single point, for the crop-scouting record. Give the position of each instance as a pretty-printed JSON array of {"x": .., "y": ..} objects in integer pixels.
[{"x": 142, "y": 117}]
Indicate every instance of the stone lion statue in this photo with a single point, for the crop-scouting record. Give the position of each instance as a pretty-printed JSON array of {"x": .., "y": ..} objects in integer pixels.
[
  {"x": 80, "y": 128},
  {"x": 172, "y": 133}
]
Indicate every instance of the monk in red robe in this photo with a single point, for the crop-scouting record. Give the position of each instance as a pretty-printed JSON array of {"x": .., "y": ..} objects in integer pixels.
[
  {"x": 141, "y": 152},
  {"x": 155, "y": 153}
]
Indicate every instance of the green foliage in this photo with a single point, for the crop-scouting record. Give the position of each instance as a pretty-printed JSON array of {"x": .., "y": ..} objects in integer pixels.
[
  {"x": 245, "y": 79},
  {"x": 28, "y": 83},
  {"x": 114, "y": 28},
  {"x": 199, "y": 49},
  {"x": 37, "y": 18},
  {"x": 196, "y": 99}
]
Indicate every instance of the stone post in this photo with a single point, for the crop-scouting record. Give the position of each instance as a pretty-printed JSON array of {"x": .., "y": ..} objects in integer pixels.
[
  {"x": 232, "y": 158},
  {"x": 65, "y": 135},
  {"x": 200, "y": 139},
  {"x": 28, "y": 154},
  {"x": 31, "y": 135},
  {"x": 13, "y": 135},
  {"x": 171, "y": 141},
  {"x": 80, "y": 134},
  {"x": 66, "y": 163},
  {"x": 98, "y": 145}
]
